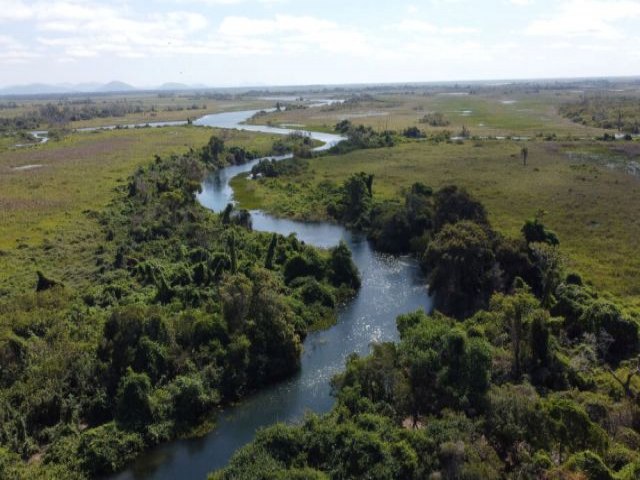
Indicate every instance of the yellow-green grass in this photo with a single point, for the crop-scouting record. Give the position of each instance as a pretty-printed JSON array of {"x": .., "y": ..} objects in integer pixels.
[
  {"x": 483, "y": 114},
  {"x": 593, "y": 208},
  {"x": 161, "y": 115},
  {"x": 160, "y": 103},
  {"x": 43, "y": 219}
]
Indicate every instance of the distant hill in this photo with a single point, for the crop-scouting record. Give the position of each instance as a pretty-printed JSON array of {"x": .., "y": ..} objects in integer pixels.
[
  {"x": 174, "y": 86},
  {"x": 34, "y": 89},
  {"x": 116, "y": 86},
  {"x": 66, "y": 88}
]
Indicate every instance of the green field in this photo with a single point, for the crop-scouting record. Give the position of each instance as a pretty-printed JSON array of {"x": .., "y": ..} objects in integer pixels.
[
  {"x": 503, "y": 113},
  {"x": 589, "y": 201},
  {"x": 44, "y": 209},
  {"x": 152, "y": 107}
]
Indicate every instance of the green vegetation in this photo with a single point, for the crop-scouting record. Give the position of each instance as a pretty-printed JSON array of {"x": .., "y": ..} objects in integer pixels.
[
  {"x": 129, "y": 314},
  {"x": 535, "y": 379},
  {"x": 93, "y": 110},
  {"x": 48, "y": 203},
  {"x": 271, "y": 168},
  {"x": 296, "y": 143},
  {"x": 619, "y": 112},
  {"x": 581, "y": 190},
  {"x": 359, "y": 137},
  {"x": 507, "y": 110},
  {"x": 182, "y": 312},
  {"x": 435, "y": 119}
]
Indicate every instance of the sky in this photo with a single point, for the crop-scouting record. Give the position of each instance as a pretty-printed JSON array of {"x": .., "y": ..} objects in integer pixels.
[{"x": 302, "y": 42}]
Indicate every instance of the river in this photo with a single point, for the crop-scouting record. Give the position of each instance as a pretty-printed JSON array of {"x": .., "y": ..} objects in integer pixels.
[{"x": 391, "y": 285}]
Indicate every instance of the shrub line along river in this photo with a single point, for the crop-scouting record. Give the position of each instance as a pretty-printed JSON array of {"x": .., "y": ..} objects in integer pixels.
[{"x": 391, "y": 285}]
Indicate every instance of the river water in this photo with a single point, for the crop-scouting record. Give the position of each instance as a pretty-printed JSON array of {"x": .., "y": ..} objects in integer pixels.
[{"x": 391, "y": 285}]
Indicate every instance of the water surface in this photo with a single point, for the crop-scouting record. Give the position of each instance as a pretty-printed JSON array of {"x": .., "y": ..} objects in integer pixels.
[{"x": 390, "y": 286}]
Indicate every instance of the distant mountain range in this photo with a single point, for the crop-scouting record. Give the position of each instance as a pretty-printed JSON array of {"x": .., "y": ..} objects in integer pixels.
[{"x": 114, "y": 86}]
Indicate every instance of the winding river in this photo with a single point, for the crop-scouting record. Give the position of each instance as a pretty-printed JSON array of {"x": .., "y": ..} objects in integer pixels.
[{"x": 390, "y": 285}]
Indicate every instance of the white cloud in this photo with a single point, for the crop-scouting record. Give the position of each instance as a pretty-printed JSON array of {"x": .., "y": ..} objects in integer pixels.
[
  {"x": 13, "y": 51},
  {"x": 297, "y": 33},
  {"x": 243, "y": 26},
  {"x": 423, "y": 27},
  {"x": 593, "y": 18}
]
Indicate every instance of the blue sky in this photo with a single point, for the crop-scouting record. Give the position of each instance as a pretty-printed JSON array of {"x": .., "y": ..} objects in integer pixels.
[{"x": 284, "y": 42}]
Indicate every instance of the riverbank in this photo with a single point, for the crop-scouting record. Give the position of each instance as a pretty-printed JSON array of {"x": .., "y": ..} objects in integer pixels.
[
  {"x": 155, "y": 322},
  {"x": 44, "y": 211},
  {"x": 390, "y": 285},
  {"x": 585, "y": 189}
]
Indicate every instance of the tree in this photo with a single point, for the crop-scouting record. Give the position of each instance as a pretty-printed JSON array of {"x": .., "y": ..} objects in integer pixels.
[
  {"x": 275, "y": 345},
  {"x": 602, "y": 317},
  {"x": 133, "y": 407},
  {"x": 357, "y": 199},
  {"x": 268, "y": 263},
  {"x": 190, "y": 399},
  {"x": 461, "y": 268},
  {"x": 107, "y": 449},
  {"x": 45, "y": 283},
  {"x": 515, "y": 312},
  {"x": 524, "y": 153},
  {"x": 235, "y": 296},
  {"x": 212, "y": 151},
  {"x": 445, "y": 367},
  {"x": 539, "y": 341},
  {"x": 306, "y": 264},
  {"x": 453, "y": 204},
  {"x": 226, "y": 214},
  {"x": 343, "y": 270},
  {"x": 535, "y": 231},
  {"x": 548, "y": 261},
  {"x": 233, "y": 254}
]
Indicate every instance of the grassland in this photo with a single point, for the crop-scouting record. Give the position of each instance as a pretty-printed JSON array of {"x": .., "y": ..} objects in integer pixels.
[
  {"x": 153, "y": 107},
  {"x": 590, "y": 198},
  {"x": 47, "y": 194},
  {"x": 498, "y": 113}
]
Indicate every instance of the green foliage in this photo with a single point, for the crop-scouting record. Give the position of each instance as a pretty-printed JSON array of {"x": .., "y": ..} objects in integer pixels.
[
  {"x": 354, "y": 205},
  {"x": 342, "y": 269},
  {"x": 572, "y": 429},
  {"x": 359, "y": 137},
  {"x": 180, "y": 319},
  {"x": 460, "y": 261},
  {"x": 106, "y": 449},
  {"x": 413, "y": 132},
  {"x": 435, "y": 119},
  {"x": 216, "y": 154},
  {"x": 453, "y": 204},
  {"x": 535, "y": 231},
  {"x": 399, "y": 228},
  {"x": 605, "y": 111},
  {"x": 298, "y": 143},
  {"x": 133, "y": 406},
  {"x": 275, "y": 168},
  {"x": 591, "y": 465}
]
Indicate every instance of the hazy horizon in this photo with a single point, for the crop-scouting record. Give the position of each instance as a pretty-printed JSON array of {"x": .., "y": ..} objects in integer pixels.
[{"x": 240, "y": 43}]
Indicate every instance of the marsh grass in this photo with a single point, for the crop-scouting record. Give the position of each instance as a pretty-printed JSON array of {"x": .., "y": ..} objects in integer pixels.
[
  {"x": 593, "y": 208},
  {"x": 48, "y": 213},
  {"x": 486, "y": 114}
]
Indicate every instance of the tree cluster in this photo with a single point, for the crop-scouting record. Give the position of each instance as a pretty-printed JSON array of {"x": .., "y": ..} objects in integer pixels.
[{"x": 187, "y": 311}]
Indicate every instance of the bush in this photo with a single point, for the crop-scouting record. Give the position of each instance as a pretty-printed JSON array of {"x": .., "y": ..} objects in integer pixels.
[
  {"x": 590, "y": 464},
  {"x": 106, "y": 449}
]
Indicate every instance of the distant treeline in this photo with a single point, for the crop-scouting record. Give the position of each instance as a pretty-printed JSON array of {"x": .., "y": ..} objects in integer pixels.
[
  {"x": 61, "y": 113},
  {"x": 523, "y": 371},
  {"x": 186, "y": 311},
  {"x": 621, "y": 113}
]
